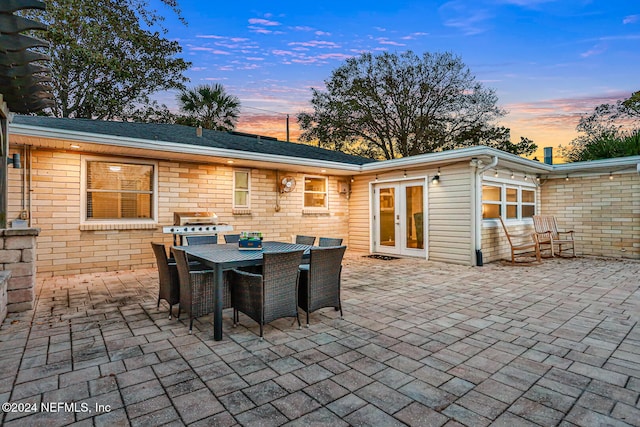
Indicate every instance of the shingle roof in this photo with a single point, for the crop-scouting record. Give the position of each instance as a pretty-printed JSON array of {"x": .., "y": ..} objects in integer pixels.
[{"x": 187, "y": 135}]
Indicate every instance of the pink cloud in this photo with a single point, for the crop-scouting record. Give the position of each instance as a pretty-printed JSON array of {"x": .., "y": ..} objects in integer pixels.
[
  {"x": 260, "y": 30},
  {"x": 283, "y": 52},
  {"x": 265, "y": 22},
  {"x": 384, "y": 40},
  {"x": 414, "y": 36},
  {"x": 596, "y": 50},
  {"x": 316, "y": 43},
  {"x": 339, "y": 56},
  {"x": 208, "y": 50}
]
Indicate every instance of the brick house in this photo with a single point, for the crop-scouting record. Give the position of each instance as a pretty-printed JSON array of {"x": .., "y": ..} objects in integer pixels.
[{"x": 101, "y": 191}]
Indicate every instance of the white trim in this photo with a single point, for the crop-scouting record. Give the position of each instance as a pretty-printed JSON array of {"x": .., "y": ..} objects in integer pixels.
[
  {"x": 503, "y": 185},
  {"x": 172, "y": 147},
  {"x": 400, "y": 205},
  {"x": 119, "y": 223},
  {"x": 248, "y": 190},
  {"x": 431, "y": 159},
  {"x": 315, "y": 209}
]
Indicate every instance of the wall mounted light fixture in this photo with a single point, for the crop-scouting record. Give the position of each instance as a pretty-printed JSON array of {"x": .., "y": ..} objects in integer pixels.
[
  {"x": 436, "y": 178},
  {"x": 14, "y": 160}
]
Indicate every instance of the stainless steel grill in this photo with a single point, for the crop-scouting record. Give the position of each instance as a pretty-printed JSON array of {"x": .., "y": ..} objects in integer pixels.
[
  {"x": 194, "y": 218},
  {"x": 194, "y": 224}
]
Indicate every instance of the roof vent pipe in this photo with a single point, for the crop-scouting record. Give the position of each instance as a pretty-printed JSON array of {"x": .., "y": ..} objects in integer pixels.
[
  {"x": 548, "y": 155},
  {"x": 199, "y": 131}
]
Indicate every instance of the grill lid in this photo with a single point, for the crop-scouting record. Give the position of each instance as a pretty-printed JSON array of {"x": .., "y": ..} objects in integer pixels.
[{"x": 186, "y": 218}]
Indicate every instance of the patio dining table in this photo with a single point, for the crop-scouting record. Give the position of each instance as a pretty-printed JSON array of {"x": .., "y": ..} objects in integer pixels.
[{"x": 221, "y": 257}]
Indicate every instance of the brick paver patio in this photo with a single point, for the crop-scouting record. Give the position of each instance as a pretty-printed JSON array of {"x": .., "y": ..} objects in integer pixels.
[{"x": 421, "y": 344}]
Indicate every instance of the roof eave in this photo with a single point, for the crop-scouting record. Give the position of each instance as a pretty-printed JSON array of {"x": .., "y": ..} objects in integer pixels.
[
  {"x": 451, "y": 156},
  {"x": 604, "y": 165},
  {"x": 167, "y": 146}
]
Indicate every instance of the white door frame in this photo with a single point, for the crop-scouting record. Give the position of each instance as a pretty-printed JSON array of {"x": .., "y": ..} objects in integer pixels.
[{"x": 400, "y": 246}]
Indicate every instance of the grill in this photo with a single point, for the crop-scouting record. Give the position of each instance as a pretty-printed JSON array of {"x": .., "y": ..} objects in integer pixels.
[{"x": 193, "y": 224}]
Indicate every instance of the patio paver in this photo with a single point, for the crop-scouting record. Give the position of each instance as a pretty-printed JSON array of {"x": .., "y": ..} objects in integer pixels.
[{"x": 421, "y": 344}]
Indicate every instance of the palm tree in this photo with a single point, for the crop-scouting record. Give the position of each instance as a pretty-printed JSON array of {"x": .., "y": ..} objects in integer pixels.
[{"x": 210, "y": 107}]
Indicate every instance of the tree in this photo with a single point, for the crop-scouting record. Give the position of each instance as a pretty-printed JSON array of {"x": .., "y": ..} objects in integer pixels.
[
  {"x": 396, "y": 105},
  {"x": 209, "y": 106},
  {"x": 108, "y": 57},
  {"x": 611, "y": 130}
]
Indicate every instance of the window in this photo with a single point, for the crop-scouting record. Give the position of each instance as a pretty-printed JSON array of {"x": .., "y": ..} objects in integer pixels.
[
  {"x": 117, "y": 190},
  {"x": 241, "y": 189},
  {"x": 315, "y": 192},
  {"x": 509, "y": 201},
  {"x": 491, "y": 201}
]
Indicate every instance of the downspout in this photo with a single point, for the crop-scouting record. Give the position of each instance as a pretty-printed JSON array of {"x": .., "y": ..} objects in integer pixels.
[{"x": 477, "y": 214}]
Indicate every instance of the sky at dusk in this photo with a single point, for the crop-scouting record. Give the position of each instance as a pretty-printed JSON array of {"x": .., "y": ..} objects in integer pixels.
[{"x": 549, "y": 61}]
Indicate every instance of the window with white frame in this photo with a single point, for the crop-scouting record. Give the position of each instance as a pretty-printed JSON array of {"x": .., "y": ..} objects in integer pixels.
[
  {"x": 241, "y": 189},
  {"x": 509, "y": 201},
  {"x": 116, "y": 190},
  {"x": 315, "y": 192}
]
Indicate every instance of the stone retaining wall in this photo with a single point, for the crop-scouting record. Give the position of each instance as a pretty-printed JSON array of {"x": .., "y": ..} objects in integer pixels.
[
  {"x": 17, "y": 256},
  {"x": 4, "y": 279}
]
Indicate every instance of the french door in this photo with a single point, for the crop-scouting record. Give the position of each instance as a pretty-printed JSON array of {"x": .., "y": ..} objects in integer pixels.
[{"x": 399, "y": 218}]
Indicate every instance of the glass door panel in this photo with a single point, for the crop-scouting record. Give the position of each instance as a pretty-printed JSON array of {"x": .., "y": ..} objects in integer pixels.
[
  {"x": 414, "y": 216},
  {"x": 387, "y": 223}
]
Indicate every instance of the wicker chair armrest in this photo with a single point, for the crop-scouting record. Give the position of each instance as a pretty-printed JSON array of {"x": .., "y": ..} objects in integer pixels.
[{"x": 246, "y": 293}]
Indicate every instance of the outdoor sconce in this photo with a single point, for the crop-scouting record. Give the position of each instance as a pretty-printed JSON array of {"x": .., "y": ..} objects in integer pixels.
[
  {"x": 567, "y": 178},
  {"x": 14, "y": 160},
  {"x": 436, "y": 178},
  {"x": 610, "y": 175}
]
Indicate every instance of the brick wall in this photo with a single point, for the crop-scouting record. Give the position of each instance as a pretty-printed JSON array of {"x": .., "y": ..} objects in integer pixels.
[
  {"x": 17, "y": 250},
  {"x": 604, "y": 213},
  {"x": 63, "y": 248}
]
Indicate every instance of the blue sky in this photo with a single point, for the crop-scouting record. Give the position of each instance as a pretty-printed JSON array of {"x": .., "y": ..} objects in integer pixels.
[{"x": 548, "y": 60}]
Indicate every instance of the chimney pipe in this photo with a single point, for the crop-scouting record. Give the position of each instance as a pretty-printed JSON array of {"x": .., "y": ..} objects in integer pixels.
[
  {"x": 548, "y": 155},
  {"x": 199, "y": 131}
]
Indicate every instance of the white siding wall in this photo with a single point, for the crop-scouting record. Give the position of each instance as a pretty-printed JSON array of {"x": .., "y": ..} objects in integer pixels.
[
  {"x": 448, "y": 214},
  {"x": 450, "y": 222}
]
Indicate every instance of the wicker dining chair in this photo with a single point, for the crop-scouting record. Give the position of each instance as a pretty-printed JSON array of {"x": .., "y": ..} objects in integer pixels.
[
  {"x": 271, "y": 295},
  {"x": 305, "y": 240},
  {"x": 329, "y": 241},
  {"x": 169, "y": 285},
  {"x": 231, "y": 238},
  {"x": 320, "y": 280},
  {"x": 197, "y": 289},
  {"x": 202, "y": 240}
]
